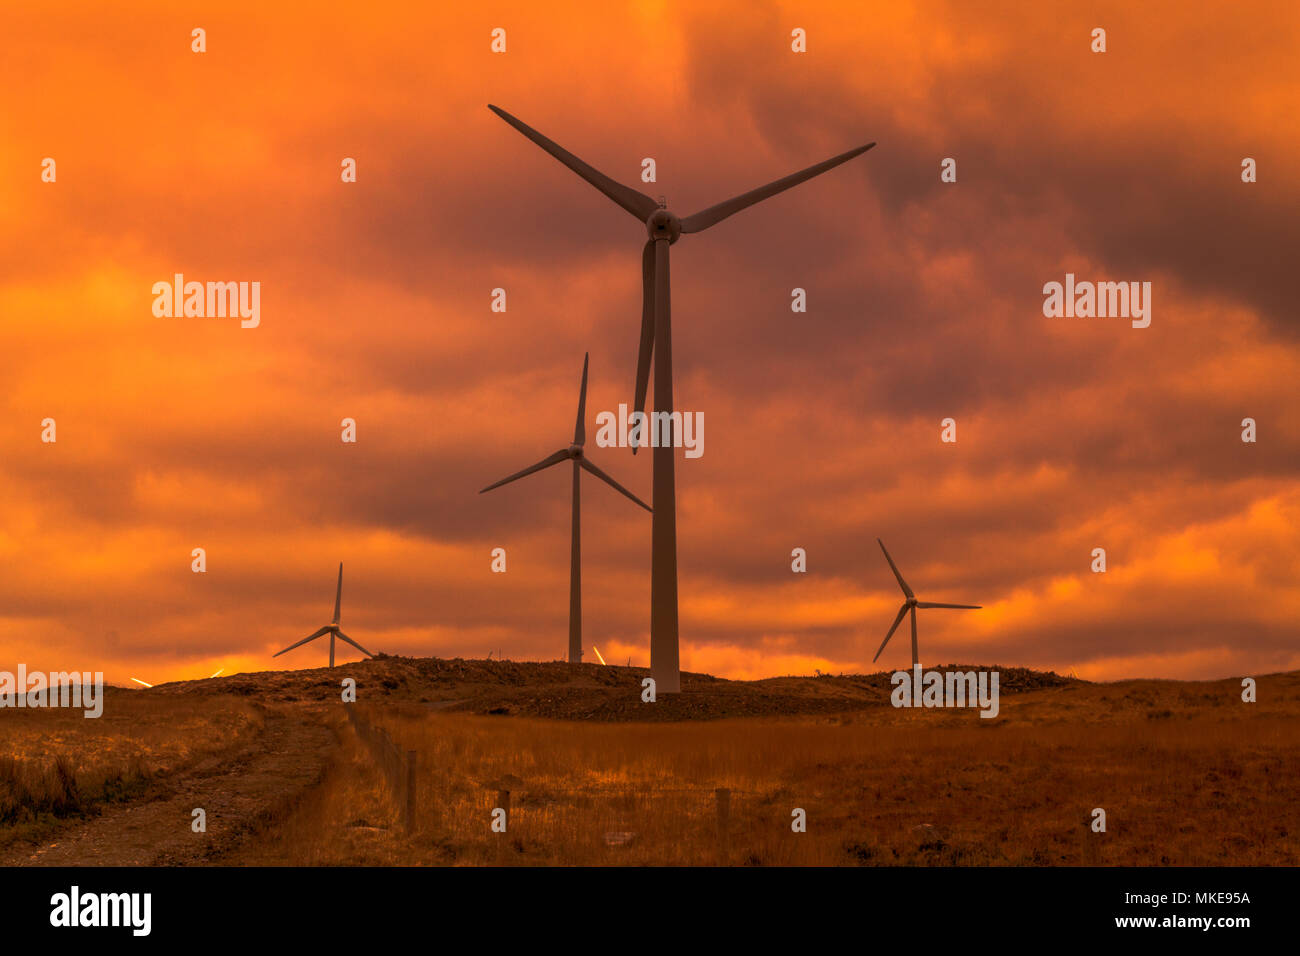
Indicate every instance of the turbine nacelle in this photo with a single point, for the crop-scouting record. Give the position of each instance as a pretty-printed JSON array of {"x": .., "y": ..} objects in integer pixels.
[
  {"x": 575, "y": 451},
  {"x": 664, "y": 225}
]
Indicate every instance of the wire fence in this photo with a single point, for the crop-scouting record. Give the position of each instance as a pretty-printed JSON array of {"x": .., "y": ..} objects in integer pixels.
[
  {"x": 397, "y": 766},
  {"x": 399, "y": 769}
]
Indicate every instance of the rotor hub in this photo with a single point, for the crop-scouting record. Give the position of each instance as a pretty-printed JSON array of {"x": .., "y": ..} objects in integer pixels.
[
  {"x": 575, "y": 451},
  {"x": 663, "y": 225}
]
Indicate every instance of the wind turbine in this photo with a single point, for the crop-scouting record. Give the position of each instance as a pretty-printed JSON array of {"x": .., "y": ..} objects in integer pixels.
[
  {"x": 331, "y": 629},
  {"x": 580, "y": 461},
  {"x": 911, "y": 604},
  {"x": 144, "y": 684},
  {"x": 664, "y": 228}
]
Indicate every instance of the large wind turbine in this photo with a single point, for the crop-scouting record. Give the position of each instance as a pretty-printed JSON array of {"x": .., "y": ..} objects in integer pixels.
[
  {"x": 911, "y": 604},
  {"x": 331, "y": 629},
  {"x": 656, "y": 337},
  {"x": 580, "y": 461}
]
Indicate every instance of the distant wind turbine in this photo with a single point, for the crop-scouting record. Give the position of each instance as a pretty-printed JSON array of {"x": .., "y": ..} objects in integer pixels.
[
  {"x": 911, "y": 604},
  {"x": 143, "y": 684},
  {"x": 580, "y": 461},
  {"x": 331, "y": 629}
]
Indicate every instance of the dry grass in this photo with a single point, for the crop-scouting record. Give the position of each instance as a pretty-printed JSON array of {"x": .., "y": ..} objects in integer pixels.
[
  {"x": 55, "y": 763},
  {"x": 1187, "y": 773},
  {"x": 1181, "y": 787}
]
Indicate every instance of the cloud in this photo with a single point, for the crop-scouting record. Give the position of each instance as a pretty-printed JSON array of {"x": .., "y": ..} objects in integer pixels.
[{"x": 924, "y": 302}]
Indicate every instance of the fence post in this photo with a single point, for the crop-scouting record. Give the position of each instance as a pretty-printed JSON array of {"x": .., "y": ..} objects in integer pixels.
[
  {"x": 1091, "y": 844},
  {"x": 723, "y": 796},
  {"x": 410, "y": 791}
]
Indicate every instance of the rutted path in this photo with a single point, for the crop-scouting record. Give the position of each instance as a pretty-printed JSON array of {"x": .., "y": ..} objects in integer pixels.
[{"x": 238, "y": 791}]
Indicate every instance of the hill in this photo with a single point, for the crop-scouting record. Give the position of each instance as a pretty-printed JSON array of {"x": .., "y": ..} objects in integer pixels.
[{"x": 576, "y": 692}]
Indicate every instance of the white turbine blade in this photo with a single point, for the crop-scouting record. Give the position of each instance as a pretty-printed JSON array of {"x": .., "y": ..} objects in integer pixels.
[
  {"x": 646, "y": 348},
  {"x": 901, "y": 583},
  {"x": 714, "y": 214},
  {"x": 140, "y": 682},
  {"x": 344, "y": 637},
  {"x": 598, "y": 657},
  {"x": 965, "y": 607},
  {"x": 638, "y": 204},
  {"x": 218, "y": 673},
  {"x": 892, "y": 628},
  {"x": 580, "y": 429},
  {"x": 338, "y": 595},
  {"x": 559, "y": 456},
  {"x": 323, "y": 630},
  {"x": 587, "y": 465}
]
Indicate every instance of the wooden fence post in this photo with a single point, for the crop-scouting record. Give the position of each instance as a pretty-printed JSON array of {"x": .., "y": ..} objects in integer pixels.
[
  {"x": 723, "y": 796},
  {"x": 410, "y": 791}
]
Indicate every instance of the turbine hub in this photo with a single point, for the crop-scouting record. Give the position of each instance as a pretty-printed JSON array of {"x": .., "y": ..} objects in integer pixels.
[
  {"x": 575, "y": 451},
  {"x": 912, "y": 602},
  {"x": 663, "y": 225}
]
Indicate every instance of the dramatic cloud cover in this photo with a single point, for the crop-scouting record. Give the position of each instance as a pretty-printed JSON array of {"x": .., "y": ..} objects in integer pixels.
[{"x": 822, "y": 428}]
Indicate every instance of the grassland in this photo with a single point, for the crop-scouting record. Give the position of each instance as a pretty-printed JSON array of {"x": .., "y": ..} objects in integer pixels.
[
  {"x": 1187, "y": 774},
  {"x": 55, "y": 764}
]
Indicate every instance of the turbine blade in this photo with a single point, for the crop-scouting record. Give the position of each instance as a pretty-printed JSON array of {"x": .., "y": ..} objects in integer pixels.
[
  {"x": 585, "y": 463},
  {"x": 344, "y": 637},
  {"x": 901, "y": 583},
  {"x": 647, "y": 327},
  {"x": 965, "y": 607},
  {"x": 715, "y": 214},
  {"x": 580, "y": 429},
  {"x": 892, "y": 628},
  {"x": 140, "y": 682},
  {"x": 338, "y": 595},
  {"x": 555, "y": 459},
  {"x": 638, "y": 204},
  {"x": 323, "y": 630},
  {"x": 661, "y": 303}
]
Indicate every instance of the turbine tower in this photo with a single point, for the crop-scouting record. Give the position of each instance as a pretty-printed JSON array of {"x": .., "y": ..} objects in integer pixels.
[
  {"x": 580, "y": 462},
  {"x": 331, "y": 629},
  {"x": 664, "y": 228},
  {"x": 911, "y": 604}
]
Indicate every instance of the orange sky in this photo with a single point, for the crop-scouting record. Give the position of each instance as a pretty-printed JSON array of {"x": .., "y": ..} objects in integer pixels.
[{"x": 822, "y": 429}]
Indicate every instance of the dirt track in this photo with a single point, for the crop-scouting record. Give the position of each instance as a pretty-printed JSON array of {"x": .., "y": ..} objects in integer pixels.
[{"x": 236, "y": 790}]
